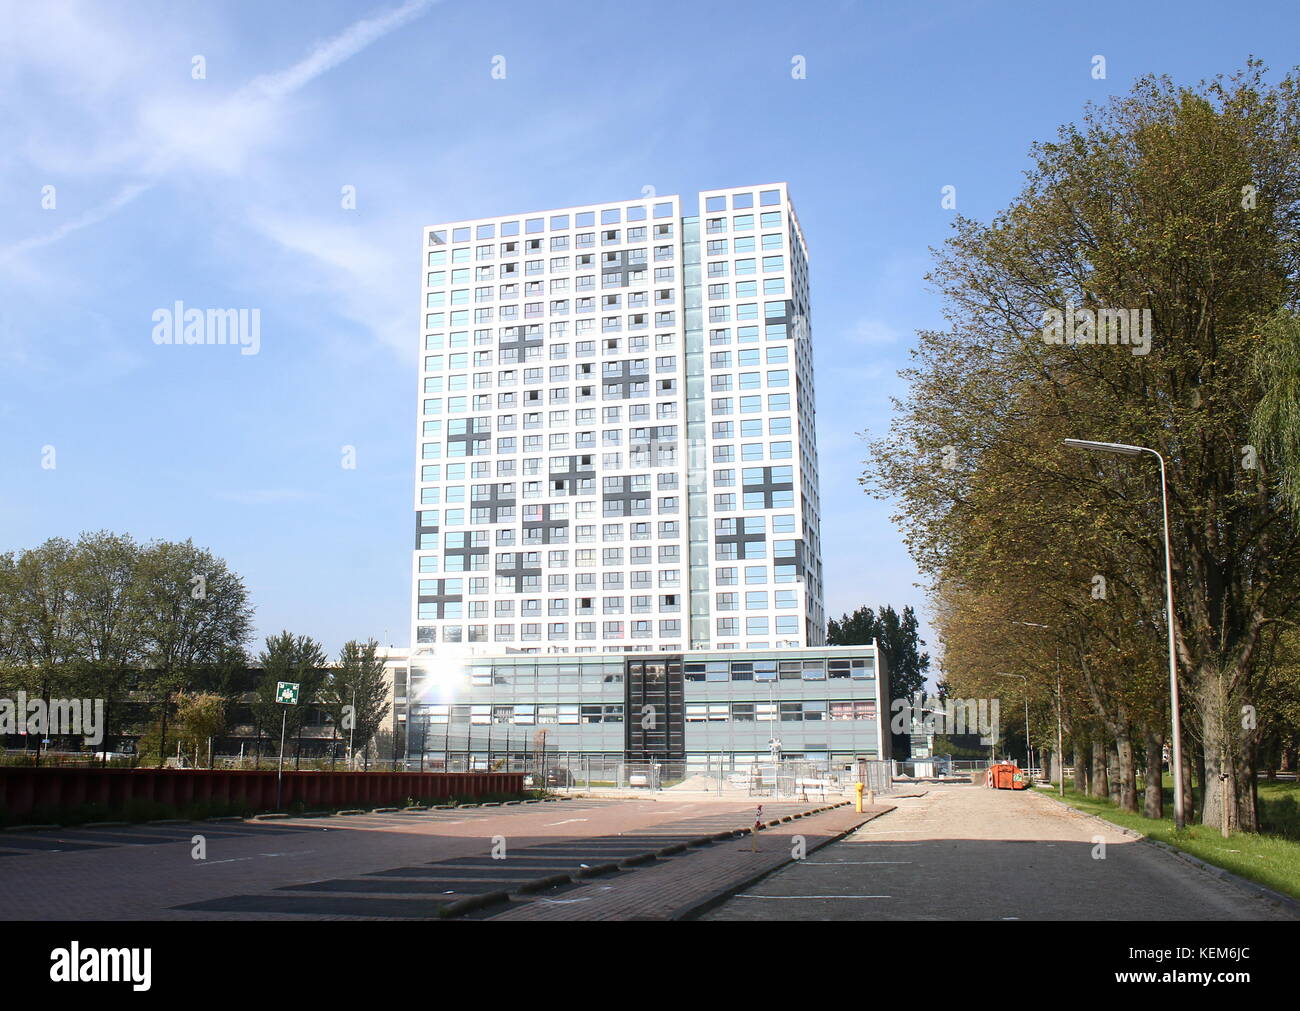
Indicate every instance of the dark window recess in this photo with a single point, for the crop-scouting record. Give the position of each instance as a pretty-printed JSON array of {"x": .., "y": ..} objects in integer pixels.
[{"x": 655, "y": 725}]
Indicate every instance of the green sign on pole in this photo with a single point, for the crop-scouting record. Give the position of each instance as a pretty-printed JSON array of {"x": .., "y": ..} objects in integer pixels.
[{"x": 286, "y": 693}]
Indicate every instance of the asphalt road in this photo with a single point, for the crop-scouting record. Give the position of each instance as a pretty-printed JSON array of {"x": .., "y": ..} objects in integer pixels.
[{"x": 968, "y": 853}]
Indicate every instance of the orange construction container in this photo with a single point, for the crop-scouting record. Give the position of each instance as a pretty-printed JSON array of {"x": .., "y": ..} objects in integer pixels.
[{"x": 1005, "y": 776}]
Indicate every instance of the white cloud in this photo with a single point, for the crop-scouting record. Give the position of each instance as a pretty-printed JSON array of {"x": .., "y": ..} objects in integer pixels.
[{"x": 181, "y": 132}]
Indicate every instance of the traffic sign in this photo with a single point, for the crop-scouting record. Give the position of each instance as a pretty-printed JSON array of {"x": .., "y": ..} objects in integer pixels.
[{"x": 286, "y": 693}]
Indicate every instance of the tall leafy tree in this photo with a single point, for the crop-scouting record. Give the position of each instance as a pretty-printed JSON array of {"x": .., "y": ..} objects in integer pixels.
[
  {"x": 195, "y": 610},
  {"x": 108, "y": 625},
  {"x": 356, "y": 693},
  {"x": 37, "y": 647},
  {"x": 1184, "y": 203}
]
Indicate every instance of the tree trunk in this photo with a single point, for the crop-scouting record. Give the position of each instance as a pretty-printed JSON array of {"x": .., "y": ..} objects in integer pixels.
[
  {"x": 1153, "y": 799},
  {"x": 1098, "y": 781},
  {"x": 162, "y": 742},
  {"x": 1227, "y": 799},
  {"x": 1112, "y": 774},
  {"x": 1127, "y": 773},
  {"x": 108, "y": 712},
  {"x": 40, "y": 738},
  {"x": 1080, "y": 767},
  {"x": 1198, "y": 764}
]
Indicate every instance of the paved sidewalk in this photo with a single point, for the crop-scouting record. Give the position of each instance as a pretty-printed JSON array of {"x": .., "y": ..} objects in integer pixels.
[{"x": 677, "y": 888}]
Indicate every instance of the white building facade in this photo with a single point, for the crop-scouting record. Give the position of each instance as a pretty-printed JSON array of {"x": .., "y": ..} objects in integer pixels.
[{"x": 616, "y": 445}]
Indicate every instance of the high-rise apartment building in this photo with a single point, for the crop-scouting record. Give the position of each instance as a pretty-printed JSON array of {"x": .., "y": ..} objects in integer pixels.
[{"x": 616, "y": 444}]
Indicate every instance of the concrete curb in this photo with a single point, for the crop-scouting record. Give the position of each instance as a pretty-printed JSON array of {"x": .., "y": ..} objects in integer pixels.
[
  {"x": 721, "y": 895},
  {"x": 471, "y": 903},
  {"x": 273, "y": 814},
  {"x": 594, "y": 871},
  {"x": 542, "y": 884},
  {"x": 1256, "y": 891}
]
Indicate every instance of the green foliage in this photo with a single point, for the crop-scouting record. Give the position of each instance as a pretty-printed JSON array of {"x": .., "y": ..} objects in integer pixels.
[
  {"x": 297, "y": 659},
  {"x": 200, "y": 717},
  {"x": 106, "y": 615},
  {"x": 1182, "y": 202},
  {"x": 356, "y": 693}
]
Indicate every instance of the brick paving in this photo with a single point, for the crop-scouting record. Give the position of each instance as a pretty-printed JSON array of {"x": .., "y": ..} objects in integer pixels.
[
  {"x": 674, "y": 889},
  {"x": 372, "y": 866}
]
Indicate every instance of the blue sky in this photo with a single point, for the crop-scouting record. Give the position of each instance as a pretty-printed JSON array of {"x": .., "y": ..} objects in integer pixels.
[{"x": 225, "y": 191}]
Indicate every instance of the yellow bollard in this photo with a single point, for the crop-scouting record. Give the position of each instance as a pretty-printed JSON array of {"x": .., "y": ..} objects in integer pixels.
[{"x": 857, "y": 804}]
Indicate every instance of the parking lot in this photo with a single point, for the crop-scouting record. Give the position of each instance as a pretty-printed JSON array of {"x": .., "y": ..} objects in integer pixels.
[{"x": 378, "y": 865}]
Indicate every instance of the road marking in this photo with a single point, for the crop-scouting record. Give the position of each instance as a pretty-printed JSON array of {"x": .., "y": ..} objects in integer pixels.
[
  {"x": 567, "y": 902},
  {"x": 747, "y": 895},
  {"x": 848, "y": 863},
  {"x": 567, "y": 821}
]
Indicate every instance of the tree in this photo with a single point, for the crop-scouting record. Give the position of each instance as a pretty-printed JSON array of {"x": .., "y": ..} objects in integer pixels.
[
  {"x": 1182, "y": 205},
  {"x": 899, "y": 641},
  {"x": 200, "y": 717},
  {"x": 298, "y": 659},
  {"x": 36, "y": 642},
  {"x": 195, "y": 610},
  {"x": 356, "y": 693},
  {"x": 107, "y": 626}
]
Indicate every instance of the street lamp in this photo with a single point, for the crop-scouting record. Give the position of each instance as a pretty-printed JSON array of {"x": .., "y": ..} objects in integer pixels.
[
  {"x": 1126, "y": 450},
  {"x": 1029, "y": 751}
]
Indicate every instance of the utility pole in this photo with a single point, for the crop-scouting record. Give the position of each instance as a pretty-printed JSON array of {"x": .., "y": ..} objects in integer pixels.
[
  {"x": 1060, "y": 732},
  {"x": 1174, "y": 702}
]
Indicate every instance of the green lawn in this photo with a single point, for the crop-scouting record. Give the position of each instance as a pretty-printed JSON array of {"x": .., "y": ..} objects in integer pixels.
[{"x": 1271, "y": 859}]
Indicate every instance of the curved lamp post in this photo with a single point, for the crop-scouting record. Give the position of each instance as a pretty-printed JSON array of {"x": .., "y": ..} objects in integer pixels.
[{"x": 1126, "y": 450}]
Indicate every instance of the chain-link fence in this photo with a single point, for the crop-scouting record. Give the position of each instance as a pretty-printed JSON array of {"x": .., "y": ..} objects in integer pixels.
[
  {"x": 725, "y": 774},
  {"x": 804, "y": 780}
]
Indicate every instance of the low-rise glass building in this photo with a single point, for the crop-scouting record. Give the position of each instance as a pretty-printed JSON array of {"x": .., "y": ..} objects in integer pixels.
[{"x": 823, "y": 703}]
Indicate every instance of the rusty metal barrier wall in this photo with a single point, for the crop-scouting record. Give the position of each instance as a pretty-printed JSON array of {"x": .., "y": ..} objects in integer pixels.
[{"x": 25, "y": 790}]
